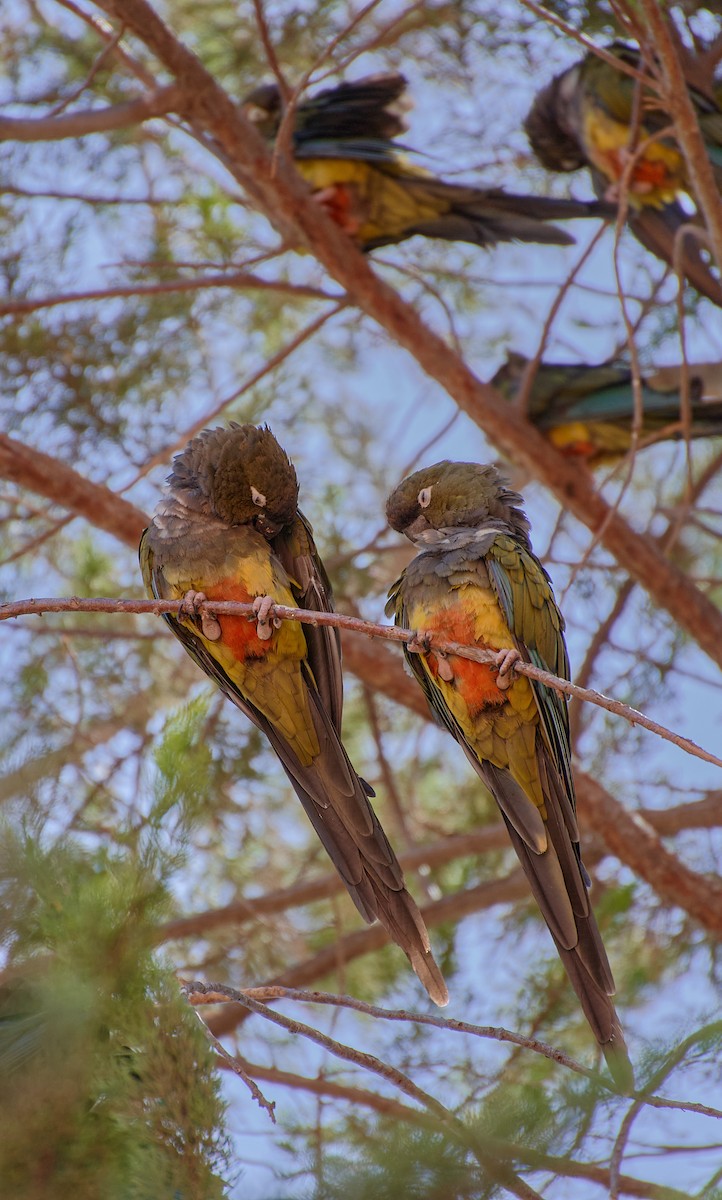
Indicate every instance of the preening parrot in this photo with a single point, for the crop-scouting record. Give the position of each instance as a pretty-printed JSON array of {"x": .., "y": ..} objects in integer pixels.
[
  {"x": 343, "y": 147},
  {"x": 476, "y": 580},
  {"x": 586, "y": 118},
  {"x": 229, "y": 528}
]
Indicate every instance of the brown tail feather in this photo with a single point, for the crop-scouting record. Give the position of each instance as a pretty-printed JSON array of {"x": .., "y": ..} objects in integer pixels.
[
  {"x": 337, "y": 805},
  {"x": 585, "y": 963}
]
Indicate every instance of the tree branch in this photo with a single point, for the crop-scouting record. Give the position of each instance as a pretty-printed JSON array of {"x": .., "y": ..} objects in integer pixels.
[
  {"x": 680, "y": 107},
  {"x": 51, "y": 478},
  {"x": 92, "y": 120},
  {"x": 230, "y": 279},
  {"x": 392, "y": 633},
  {"x": 386, "y": 1106},
  {"x": 632, "y": 839},
  {"x": 500, "y": 1172}
]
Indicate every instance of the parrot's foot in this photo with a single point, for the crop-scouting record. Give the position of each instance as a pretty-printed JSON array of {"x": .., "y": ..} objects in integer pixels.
[
  {"x": 444, "y": 668},
  {"x": 262, "y": 606},
  {"x": 420, "y": 643},
  {"x": 190, "y": 607},
  {"x": 505, "y": 660}
]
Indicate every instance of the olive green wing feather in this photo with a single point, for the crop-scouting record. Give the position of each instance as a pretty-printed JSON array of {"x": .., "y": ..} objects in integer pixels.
[
  {"x": 525, "y": 595},
  {"x": 311, "y": 589}
]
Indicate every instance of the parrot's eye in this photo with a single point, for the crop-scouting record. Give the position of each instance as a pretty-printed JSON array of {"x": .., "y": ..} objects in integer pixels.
[
  {"x": 257, "y": 497},
  {"x": 254, "y": 113},
  {"x": 424, "y": 497}
]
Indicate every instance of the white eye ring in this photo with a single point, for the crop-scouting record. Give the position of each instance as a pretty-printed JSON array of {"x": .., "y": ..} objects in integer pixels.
[
  {"x": 257, "y": 497},
  {"x": 424, "y": 497}
]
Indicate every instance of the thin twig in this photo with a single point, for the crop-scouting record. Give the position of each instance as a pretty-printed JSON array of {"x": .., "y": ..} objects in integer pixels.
[
  {"x": 235, "y": 279},
  {"x": 502, "y": 1173},
  {"x": 237, "y": 1067},
  {"x": 392, "y": 633},
  {"x": 218, "y": 993}
]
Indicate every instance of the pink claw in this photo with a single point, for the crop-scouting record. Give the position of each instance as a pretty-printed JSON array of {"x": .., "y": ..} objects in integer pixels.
[
  {"x": 420, "y": 643},
  {"x": 191, "y": 607},
  {"x": 505, "y": 660},
  {"x": 262, "y": 606}
]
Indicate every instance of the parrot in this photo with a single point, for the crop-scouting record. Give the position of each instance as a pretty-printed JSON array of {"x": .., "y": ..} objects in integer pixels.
[
  {"x": 587, "y": 411},
  {"x": 229, "y": 528},
  {"x": 586, "y": 118},
  {"x": 476, "y": 580},
  {"x": 343, "y": 148}
]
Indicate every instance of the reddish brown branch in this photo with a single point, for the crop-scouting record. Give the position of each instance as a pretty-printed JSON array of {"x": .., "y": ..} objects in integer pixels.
[
  {"x": 679, "y": 104},
  {"x": 632, "y": 839},
  {"x": 703, "y": 814},
  {"x": 392, "y": 633},
  {"x": 57, "y": 482},
  {"x": 92, "y": 120}
]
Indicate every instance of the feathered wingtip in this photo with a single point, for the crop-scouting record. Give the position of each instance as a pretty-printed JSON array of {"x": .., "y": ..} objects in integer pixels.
[{"x": 619, "y": 1063}]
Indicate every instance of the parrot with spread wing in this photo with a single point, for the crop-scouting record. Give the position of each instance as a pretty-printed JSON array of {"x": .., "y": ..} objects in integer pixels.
[
  {"x": 588, "y": 411},
  {"x": 342, "y": 146},
  {"x": 476, "y": 580},
  {"x": 586, "y": 117},
  {"x": 230, "y": 529}
]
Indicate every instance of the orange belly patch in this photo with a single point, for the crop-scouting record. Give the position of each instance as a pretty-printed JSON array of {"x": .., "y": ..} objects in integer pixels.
[
  {"x": 239, "y": 634},
  {"x": 647, "y": 175},
  {"x": 474, "y": 682}
]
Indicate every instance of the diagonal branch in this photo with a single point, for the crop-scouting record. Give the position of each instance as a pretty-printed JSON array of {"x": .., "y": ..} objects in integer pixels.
[
  {"x": 388, "y": 1107},
  {"x": 51, "y": 478}
]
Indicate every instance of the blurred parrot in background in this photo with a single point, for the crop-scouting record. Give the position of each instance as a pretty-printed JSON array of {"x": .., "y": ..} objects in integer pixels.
[
  {"x": 477, "y": 581},
  {"x": 342, "y": 145},
  {"x": 586, "y": 118},
  {"x": 230, "y": 529},
  {"x": 588, "y": 411}
]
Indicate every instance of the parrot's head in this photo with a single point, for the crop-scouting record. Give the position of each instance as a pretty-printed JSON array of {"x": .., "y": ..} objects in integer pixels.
[
  {"x": 239, "y": 474},
  {"x": 453, "y": 495},
  {"x": 262, "y": 107},
  {"x": 550, "y": 124}
]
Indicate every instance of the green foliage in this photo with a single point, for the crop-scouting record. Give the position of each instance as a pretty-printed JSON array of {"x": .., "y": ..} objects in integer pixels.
[
  {"x": 402, "y": 1161},
  {"x": 107, "y": 1083}
]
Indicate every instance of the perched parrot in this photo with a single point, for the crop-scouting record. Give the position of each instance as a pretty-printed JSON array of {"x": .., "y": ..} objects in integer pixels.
[
  {"x": 477, "y": 581},
  {"x": 342, "y": 146},
  {"x": 586, "y": 118},
  {"x": 229, "y": 528},
  {"x": 588, "y": 411}
]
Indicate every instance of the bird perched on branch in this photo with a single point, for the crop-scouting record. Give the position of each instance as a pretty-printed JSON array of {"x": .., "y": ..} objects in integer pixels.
[
  {"x": 595, "y": 115},
  {"x": 230, "y": 528},
  {"x": 477, "y": 581},
  {"x": 588, "y": 411},
  {"x": 342, "y": 145}
]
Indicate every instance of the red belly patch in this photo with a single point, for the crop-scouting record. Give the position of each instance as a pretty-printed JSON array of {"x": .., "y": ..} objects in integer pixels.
[
  {"x": 579, "y": 449},
  {"x": 475, "y": 682},
  {"x": 239, "y": 634},
  {"x": 646, "y": 175},
  {"x": 340, "y": 203}
]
